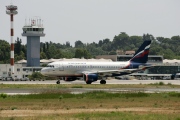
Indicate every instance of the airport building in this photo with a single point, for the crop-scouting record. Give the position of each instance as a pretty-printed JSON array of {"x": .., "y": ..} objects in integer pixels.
[
  {"x": 20, "y": 71},
  {"x": 154, "y": 59}
]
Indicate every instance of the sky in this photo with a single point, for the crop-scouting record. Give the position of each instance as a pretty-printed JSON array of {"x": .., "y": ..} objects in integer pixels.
[{"x": 93, "y": 20}]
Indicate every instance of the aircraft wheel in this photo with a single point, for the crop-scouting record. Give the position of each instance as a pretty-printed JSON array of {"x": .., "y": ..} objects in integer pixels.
[
  {"x": 102, "y": 82},
  {"x": 88, "y": 82},
  {"x": 58, "y": 82}
]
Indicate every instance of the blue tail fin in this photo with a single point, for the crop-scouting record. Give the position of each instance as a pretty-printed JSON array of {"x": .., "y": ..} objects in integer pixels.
[{"x": 141, "y": 55}]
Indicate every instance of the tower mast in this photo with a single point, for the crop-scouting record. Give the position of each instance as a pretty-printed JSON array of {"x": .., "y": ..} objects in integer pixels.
[{"x": 11, "y": 10}]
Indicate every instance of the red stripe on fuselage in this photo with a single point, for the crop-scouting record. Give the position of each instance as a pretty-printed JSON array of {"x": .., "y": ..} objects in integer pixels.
[{"x": 142, "y": 54}]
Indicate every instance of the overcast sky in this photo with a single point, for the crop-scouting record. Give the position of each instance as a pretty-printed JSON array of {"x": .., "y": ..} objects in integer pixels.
[{"x": 93, "y": 20}]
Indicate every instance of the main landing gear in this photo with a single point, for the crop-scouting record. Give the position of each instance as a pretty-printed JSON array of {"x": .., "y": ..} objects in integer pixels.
[
  {"x": 88, "y": 82},
  {"x": 103, "y": 81}
]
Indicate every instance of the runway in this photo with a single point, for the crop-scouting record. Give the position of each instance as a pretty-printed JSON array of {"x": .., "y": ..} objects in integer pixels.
[
  {"x": 112, "y": 81},
  {"x": 15, "y": 91}
]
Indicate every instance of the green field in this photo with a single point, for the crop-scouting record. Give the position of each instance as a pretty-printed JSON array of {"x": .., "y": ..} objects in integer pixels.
[
  {"x": 96, "y": 105},
  {"x": 155, "y": 85}
]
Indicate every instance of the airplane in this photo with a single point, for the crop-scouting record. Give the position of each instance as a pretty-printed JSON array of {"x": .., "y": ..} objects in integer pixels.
[{"x": 92, "y": 71}]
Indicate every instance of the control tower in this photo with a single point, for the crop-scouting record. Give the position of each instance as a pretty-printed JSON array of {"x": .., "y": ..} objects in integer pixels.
[{"x": 33, "y": 31}]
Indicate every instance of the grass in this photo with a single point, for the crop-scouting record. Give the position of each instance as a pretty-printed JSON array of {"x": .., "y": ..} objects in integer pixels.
[
  {"x": 160, "y": 83},
  {"x": 52, "y": 104},
  {"x": 124, "y": 116},
  {"x": 20, "y": 86},
  {"x": 91, "y": 100},
  {"x": 102, "y": 116}
]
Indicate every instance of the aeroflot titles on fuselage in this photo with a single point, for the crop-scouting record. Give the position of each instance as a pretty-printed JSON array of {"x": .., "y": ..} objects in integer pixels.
[{"x": 83, "y": 64}]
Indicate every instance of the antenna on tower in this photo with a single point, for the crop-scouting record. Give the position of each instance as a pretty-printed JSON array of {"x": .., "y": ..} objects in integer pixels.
[
  {"x": 37, "y": 22},
  {"x": 40, "y": 22}
]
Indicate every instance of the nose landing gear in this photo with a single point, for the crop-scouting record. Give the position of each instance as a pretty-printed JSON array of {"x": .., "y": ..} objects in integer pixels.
[{"x": 58, "y": 82}]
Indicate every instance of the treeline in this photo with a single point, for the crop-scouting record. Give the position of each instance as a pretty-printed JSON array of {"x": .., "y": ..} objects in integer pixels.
[{"x": 168, "y": 47}]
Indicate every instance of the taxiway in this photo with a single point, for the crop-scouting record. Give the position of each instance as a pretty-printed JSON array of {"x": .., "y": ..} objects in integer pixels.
[
  {"x": 113, "y": 81},
  {"x": 14, "y": 91}
]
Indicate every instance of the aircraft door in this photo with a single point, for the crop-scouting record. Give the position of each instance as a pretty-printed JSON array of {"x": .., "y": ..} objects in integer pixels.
[{"x": 61, "y": 67}]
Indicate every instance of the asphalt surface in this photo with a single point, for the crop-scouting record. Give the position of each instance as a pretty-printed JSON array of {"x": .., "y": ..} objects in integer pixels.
[
  {"x": 113, "y": 81},
  {"x": 82, "y": 90}
]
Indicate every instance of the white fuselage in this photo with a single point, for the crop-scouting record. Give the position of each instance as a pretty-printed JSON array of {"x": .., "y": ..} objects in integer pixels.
[{"x": 71, "y": 68}]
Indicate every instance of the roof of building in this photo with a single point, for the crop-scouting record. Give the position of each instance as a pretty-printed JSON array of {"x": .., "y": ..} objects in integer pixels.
[
  {"x": 22, "y": 61},
  {"x": 171, "y": 61},
  {"x": 130, "y": 52},
  {"x": 64, "y": 59}
]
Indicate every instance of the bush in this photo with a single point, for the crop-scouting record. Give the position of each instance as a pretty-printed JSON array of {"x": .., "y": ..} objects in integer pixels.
[
  {"x": 36, "y": 75},
  {"x": 60, "y": 97},
  {"x": 161, "y": 83},
  {"x": 169, "y": 84},
  {"x": 3, "y": 95}
]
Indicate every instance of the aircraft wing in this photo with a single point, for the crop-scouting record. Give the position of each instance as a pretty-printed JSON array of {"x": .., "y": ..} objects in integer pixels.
[
  {"x": 112, "y": 71},
  {"x": 128, "y": 71}
]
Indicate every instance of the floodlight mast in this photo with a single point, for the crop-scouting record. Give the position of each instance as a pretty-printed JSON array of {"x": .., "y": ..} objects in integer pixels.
[{"x": 11, "y": 10}]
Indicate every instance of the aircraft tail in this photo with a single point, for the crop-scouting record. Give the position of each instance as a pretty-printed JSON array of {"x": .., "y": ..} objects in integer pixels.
[{"x": 141, "y": 55}]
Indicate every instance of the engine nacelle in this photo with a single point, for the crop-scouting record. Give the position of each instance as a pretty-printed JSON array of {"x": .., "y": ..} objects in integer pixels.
[
  {"x": 89, "y": 78},
  {"x": 69, "y": 78}
]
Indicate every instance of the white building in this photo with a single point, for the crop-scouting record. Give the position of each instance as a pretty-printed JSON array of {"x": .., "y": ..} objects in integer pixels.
[{"x": 20, "y": 71}]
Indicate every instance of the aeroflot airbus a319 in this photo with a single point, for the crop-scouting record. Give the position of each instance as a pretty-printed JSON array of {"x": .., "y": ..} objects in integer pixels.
[{"x": 92, "y": 71}]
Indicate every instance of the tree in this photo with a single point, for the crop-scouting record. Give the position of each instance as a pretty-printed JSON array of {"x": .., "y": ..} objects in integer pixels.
[
  {"x": 4, "y": 51},
  {"x": 106, "y": 41},
  {"x": 43, "y": 55},
  {"x": 79, "y": 53},
  {"x": 148, "y": 37},
  {"x": 17, "y": 46},
  {"x": 44, "y": 48},
  {"x": 68, "y": 44},
  {"x": 121, "y": 41},
  {"x": 79, "y": 44},
  {"x": 100, "y": 43},
  {"x": 82, "y": 53}
]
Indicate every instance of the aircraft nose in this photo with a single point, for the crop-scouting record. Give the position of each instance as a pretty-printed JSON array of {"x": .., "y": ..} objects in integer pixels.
[{"x": 43, "y": 71}]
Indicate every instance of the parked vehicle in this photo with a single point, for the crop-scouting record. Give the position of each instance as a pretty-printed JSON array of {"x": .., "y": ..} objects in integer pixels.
[
  {"x": 167, "y": 78},
  {"x": 16, "y": 79},
  {"x": 24, "y": 79},
  {"x": 177, "y": 76},
  {"x": 8, "y": 79}
]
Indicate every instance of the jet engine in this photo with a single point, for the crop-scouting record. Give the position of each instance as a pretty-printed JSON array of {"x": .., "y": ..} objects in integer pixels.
[{"x": 89, "y": 78}]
